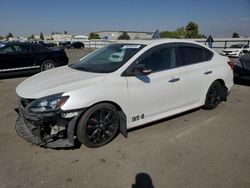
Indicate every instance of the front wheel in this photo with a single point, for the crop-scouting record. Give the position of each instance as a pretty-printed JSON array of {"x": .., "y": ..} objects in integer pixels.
[
  {"x": 98, "y": 125},
  {"x": 214, "y": 96}
]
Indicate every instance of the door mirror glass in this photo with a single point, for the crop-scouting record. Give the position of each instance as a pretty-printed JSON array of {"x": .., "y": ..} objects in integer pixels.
[{"x": 139, "y": 69}]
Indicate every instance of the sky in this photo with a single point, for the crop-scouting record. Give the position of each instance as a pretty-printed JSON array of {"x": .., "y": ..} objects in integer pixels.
[{"x": 219, "y": 18}]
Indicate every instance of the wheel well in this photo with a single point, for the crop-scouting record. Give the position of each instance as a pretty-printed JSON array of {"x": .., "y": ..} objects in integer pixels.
[
  {"x": 224, "y": 90},
  {"x": 122, "y": 115},
  {"x": 41, "y": 61}
]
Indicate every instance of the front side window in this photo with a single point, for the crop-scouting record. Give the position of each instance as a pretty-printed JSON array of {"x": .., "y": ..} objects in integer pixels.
[
  {"x": 236, "y": 46},
  {"x": 159, "y": 59},
  {"x": 108, "y": 58}
]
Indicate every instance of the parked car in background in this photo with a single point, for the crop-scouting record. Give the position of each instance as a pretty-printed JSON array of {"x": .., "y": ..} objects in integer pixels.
[
  {"x": 23, "y": 56},
  {"x": 46, "y": 44},
  {"x": 77, "y": 45},
  {"x": 236, "y": 50},
  {"x": 65, "y": 44},
  {"x": 118, "y": 87},
  {"x": 242, "y": 67},
  {"x": 2, "y": 44},
  {"x": 68, "y": 45}
]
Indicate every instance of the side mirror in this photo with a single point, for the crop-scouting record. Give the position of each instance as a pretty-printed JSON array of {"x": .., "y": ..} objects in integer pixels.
[{"x": 140, "y": 69}]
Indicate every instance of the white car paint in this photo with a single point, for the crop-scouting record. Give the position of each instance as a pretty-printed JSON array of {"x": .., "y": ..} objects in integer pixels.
[{"x": 153, "y": 98}]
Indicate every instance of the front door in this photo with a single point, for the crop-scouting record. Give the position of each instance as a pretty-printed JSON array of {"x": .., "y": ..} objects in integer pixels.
[{"x": 158, "y": 93}]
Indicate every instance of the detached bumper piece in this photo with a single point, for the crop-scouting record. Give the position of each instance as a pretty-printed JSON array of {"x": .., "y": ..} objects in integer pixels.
[
  {"x": 46, "y": 130},
  {"x": 23, "y": 131}
]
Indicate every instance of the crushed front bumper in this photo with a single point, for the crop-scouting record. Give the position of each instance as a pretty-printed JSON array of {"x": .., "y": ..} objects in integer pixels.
[{"x": 48, "y": 130}]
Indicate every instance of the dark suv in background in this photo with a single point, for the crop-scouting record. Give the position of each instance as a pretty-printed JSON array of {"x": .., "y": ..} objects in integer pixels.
[
  {"x": 242, "y": 67},
  {"x": 24, "y": 56}
]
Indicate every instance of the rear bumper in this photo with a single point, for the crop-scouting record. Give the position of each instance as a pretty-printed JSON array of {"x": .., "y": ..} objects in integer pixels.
[{"x": 46, "y": 130}]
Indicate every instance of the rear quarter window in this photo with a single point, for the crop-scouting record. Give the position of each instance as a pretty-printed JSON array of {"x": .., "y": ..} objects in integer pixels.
[{"x": 192, "y": 54}]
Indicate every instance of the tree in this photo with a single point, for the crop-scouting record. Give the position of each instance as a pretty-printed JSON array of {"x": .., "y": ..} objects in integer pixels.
[
  {"x": 169, "y": 34},
  {"x": 9, "y": 36},
  {"x": 235, "y": 35},
  {"x": 124, "y": 36},
  {"x": 192, "y": 30},
  {"x": 181, "y": 32},
  {"x": 31, "y": 37},
  {"x": 65, "y": 32},
  {"x": 93, "y": 36},
  {"x": 1, "y": 37},
  {"x": 41, "y": 36}
]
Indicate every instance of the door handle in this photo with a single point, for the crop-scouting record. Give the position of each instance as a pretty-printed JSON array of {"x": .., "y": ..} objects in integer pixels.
[
  {"x": 174, "y": 80},
  {"x": 208, "y": 72}
]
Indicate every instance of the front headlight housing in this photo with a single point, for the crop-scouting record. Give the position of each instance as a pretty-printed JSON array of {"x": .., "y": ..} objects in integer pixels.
[{"x": 48, "y": 104}]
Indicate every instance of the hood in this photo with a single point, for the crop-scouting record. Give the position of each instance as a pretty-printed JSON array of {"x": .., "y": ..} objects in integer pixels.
[{"x": 55, "y": 81}]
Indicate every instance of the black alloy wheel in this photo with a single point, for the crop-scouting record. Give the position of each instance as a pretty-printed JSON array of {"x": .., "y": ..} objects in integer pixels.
[
  {"x": 214, "y": 96},
  {"x": 98, "y": 125}
]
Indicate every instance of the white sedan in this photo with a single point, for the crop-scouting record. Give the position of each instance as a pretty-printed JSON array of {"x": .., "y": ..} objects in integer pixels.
[
  {"x": 105, "y": 93},
  {"x": 236, "y": 50}
]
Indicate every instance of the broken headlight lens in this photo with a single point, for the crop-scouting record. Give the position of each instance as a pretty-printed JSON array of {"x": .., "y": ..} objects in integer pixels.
[{"x": 48, "y": 104}]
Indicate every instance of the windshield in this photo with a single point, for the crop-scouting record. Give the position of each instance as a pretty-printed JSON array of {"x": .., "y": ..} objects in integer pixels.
[
  {"x": 236, "y": 46},
  {"x": 108, "y": 58}
]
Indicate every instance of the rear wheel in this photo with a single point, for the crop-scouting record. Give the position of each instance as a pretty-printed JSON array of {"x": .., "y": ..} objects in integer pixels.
[
  {"x": 48, "y": 64},
  {"x": 214, "y": 96},
  {"x": 98, "y": 125}
]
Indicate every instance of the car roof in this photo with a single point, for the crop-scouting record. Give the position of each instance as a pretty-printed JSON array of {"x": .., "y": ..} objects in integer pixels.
[
  {"x": 157, "y": 41},
  {"x": 23, "y": 43}
]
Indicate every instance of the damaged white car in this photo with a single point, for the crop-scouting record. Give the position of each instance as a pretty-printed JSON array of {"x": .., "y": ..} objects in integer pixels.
[{"x": 119, "y": 87}]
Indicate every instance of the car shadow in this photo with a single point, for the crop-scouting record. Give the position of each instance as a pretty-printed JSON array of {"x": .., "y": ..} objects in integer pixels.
[{"x": 6, "y": 76}]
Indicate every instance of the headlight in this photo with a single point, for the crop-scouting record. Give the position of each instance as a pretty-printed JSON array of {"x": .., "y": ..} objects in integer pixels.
[{"x": 48, "y": 104}]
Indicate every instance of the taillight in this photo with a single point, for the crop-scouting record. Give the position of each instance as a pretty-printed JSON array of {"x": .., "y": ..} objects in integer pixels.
[{"x": 231, "y": 64}]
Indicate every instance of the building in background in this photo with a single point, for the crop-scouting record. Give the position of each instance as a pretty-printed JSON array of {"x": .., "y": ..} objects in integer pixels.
[
  {"x": 113, "y": 35},
  {"x": 61, "y": 37}
]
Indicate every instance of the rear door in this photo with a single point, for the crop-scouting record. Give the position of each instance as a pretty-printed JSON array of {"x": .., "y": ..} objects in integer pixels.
[{"x": 196, "y": 72}]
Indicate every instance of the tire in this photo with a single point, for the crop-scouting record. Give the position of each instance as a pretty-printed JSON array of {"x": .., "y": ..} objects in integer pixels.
[
  {"x": 213, "y": 96},
  {"x": 48, "y": 64},
  {"x": 98, "y": 125}
]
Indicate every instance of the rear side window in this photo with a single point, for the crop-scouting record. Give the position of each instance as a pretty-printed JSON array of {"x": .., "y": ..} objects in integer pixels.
[
  {"x": 192, "y": 54},
  {"x": 37, "y": 48},
  {"x": 208, "y": 55}
]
